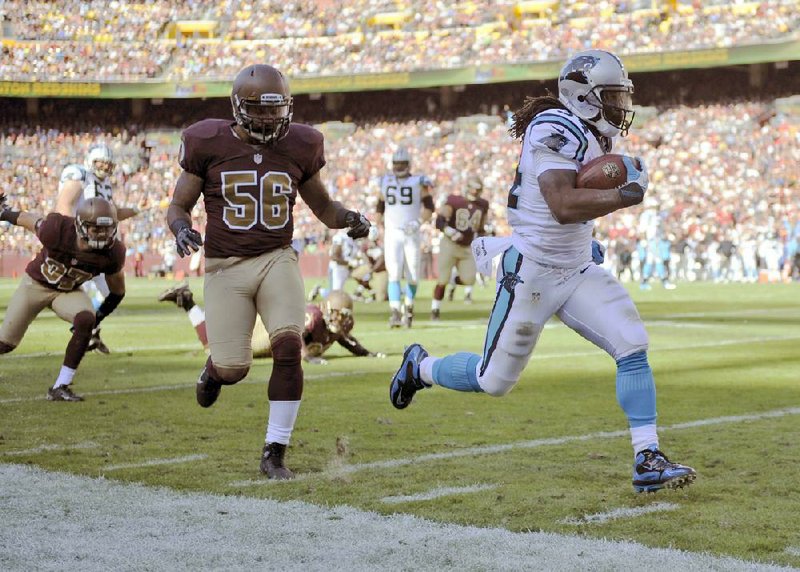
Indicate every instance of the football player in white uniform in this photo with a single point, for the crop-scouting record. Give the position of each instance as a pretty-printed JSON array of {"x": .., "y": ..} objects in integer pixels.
[
  {"x": 343, "y": 258},
  {"x": 547, "y": 267},
  {"x": 405, "y": 202},
  {"x": 82, "y": 182}
]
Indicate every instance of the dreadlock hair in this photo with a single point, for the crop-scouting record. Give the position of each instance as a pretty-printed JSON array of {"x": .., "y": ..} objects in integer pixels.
[{"x": 531, "y": 107}]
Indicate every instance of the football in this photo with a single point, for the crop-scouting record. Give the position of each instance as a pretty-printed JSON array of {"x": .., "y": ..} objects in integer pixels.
[{"x": 605, "y": 172}]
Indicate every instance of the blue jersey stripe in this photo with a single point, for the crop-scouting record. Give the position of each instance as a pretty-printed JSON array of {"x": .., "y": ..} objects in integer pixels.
[
  {"x": 511, "y": 263},
  {"x": 583, "y": 141}
]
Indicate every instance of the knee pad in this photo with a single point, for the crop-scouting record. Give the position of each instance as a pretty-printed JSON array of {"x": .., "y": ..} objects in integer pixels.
[
  {"x": 286, "y": 380},
  {"x": 500, "y": 374},
  {"x": 83, "y": 323},
  {"x": 230, "y": 375},
  {"x": 6, "y": 348}
]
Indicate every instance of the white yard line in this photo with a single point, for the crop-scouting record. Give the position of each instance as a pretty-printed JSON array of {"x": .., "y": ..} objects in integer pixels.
[
  {"x": 437, "y": 493},
  {"x": 99, "y": 524},
  {"x": 50, "y": 447},
  {"x": 186, "y": 385},
  {"x": 154, "y": 463},
  {"x": 604, "y": 517},
  {"x": 521, "y": 445}
]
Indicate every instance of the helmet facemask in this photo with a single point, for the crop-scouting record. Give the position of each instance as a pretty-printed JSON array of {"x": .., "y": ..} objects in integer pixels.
[
  {"x": 401, "y": 162},
  {"x": 96, "y": 223},
  {"x": 338, "y": 312},
  {"x": 100, "y": 161},
  {"x": 474, "y": 189},
  {"x": 615, "y": 106},
  {"x": 265, "y": 117}
]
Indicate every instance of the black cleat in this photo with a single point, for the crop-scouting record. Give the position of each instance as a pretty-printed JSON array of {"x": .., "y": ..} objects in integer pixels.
[
  {"x": 207, "y": 390},
  {"x": 96, "y": 344},
  {"x": 652, "y": 471},
  {"x": 451, "y": 292},
  {"x": 408, "y": 316},
  {"x": 272, "y": 462},
  {"x": 408, "y": 380},
  {"x": 435, "y": 315},
  {"x": 62, "y": 393}
]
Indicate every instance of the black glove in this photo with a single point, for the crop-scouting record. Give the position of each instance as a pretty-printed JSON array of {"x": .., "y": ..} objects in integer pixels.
[
  {"x": 187, "y": 241},
  {"x": 358, "y": 225}
]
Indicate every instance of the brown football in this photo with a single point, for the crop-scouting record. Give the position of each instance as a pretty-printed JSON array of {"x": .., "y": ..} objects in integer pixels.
[{"x": 605, "y": 172}]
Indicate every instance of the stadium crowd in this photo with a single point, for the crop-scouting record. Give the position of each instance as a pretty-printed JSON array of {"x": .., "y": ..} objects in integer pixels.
[
  {"x": 85, "y": 42},
  {"x": 723, "y": 202}
]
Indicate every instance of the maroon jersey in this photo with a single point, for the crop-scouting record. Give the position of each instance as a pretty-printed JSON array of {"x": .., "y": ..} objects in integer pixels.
[
  {"x": 61, "y": 265},
  {"x": 467, "y": 217},
  {"x": 249, "y": 190},
  {"x": 317, "y": 338}
]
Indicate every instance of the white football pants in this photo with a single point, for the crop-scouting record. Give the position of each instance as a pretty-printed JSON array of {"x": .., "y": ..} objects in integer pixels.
[
  {"x": 401, "y": 249},
  {"x": 587, "y": 299}
]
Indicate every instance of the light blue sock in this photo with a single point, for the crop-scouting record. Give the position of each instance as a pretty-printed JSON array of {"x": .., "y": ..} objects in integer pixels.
[
  {"x": 394, "y": 291},
  {"x": 96, "y": 303},
  {"x": 411, "y": 292},
  {"x": 457, "y": 371},
  {"x": 636, "y": 390}
]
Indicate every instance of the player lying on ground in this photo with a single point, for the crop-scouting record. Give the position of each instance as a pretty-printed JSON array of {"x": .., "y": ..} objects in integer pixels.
[
  {"x": 328, "y": 323},
  {"x": 546, "y": 265},
  {"x": 73, "y": 251}
]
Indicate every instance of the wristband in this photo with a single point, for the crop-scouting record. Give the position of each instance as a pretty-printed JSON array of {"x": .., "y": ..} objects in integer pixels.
[{"x": 10, "y": 216}]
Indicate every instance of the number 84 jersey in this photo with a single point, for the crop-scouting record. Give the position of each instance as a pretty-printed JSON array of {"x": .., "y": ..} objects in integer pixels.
[
  {"x": 249, "y": 190},
  {"x": 402, "y": 197}
]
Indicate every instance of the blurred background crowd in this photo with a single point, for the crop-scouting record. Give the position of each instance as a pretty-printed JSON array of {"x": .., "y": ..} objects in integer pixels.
[
  {"x": 724, "y": 202},
  {"x": 112, "y": 41}
]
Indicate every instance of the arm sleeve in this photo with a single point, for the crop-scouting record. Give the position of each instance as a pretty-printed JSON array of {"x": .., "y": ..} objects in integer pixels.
[
  {"x": 49, "y": 230},
  {"x": 558, "y": 134},
  {"x": 316, "y": 158},
  {"x": 191, "y": 157},
  {"x": 352, "y": 345}
]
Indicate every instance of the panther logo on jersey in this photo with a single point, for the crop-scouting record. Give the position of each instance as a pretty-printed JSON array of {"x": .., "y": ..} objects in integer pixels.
[{"x": 554, "y": 141}]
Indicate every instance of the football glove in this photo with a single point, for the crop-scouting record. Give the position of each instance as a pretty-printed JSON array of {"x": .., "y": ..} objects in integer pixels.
[
  {"x": 454, "y": 234},
  {"x": 187, "y": 241},
  {"x": 357, "y": 223},
  {"x": 598, "y": 252},
  {"x": 632, "y": 192}
]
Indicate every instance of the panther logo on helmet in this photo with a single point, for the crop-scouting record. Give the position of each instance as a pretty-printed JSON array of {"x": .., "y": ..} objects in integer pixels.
[
  {"x": 338, "y": 312},
  {"x": 594, "y": 85},
  {"x": 262, "y": 103},
  {"x": 96, "y": 223},
  {"x": 401, "y": 162},
  {"x": 100, "y": 161}
]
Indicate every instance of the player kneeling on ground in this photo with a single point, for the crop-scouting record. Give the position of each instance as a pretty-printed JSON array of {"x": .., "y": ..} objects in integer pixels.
[
  {"x": 327, "y": 323},
  {"x": 74, "y": 250}
]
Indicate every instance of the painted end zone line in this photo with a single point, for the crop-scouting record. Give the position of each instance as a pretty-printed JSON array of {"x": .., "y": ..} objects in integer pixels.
[
  {"x": 437, "y": 493},
  {"x": 493, "y": 449},
  {"x": 602, "y": 517}
]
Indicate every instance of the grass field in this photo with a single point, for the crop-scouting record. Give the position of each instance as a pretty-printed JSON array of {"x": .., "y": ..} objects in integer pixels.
[{"x": 552, "y": 456}]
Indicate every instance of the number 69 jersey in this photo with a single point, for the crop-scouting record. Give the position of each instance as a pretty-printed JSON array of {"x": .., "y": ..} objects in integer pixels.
[
  {"x": 249, "y": 190},
  {"x": 403, "y": 199}
]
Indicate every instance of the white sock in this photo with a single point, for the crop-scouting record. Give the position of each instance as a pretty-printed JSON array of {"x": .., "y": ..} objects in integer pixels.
[
  {"x": 282, "y": 415},
  {"x": 644, "y": 436},
  {"x": 196, "y": 316},
  {"x": 394, "y": 305},
  {"x": 64, "y": 376},
  {"x": 426, "y": 369},
  {"x": 436, "y": 304},
  {"x": 467, "y": 290}
]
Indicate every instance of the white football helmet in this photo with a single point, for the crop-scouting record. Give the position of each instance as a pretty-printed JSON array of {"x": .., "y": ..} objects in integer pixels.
[
  {"x": 594, "y": 85},
  {"x": 401, "y": 162},
  {"x": 100, "y": 161}
]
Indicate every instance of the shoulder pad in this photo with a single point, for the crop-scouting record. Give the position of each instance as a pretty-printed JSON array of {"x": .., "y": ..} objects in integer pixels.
[
  {"x": 305, "y": 133},
  {"x": 73, "y": 173},
  {"x": 205, "y": 129},
  {"x": 561, "y": 132}
]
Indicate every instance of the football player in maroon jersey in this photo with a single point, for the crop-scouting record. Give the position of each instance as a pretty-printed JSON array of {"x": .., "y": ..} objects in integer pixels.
[
  {"x": 327, "y": 323},
  {"x": 74, "y": 250},
  {"x": 249, "y": 172},
  {"x": 461, "y": 219}
]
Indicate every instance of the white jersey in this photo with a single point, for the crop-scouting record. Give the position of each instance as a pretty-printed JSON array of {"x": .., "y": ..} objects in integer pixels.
[
  {"x": 347, "y": 244},
  {"x": 92, "y": 186},
  {"x": 555, "y": 139},
  {"x": 403, "y": 199}
]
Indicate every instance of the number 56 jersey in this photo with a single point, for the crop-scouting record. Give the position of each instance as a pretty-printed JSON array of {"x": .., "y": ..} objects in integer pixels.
[{"x": 249, "y": 190}]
